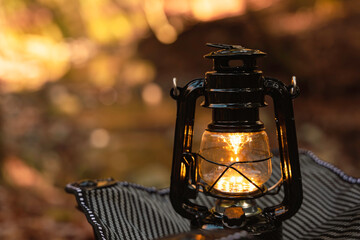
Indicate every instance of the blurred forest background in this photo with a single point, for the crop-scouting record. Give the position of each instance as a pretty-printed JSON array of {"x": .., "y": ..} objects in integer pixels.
[{"x": 84, "y": 87}]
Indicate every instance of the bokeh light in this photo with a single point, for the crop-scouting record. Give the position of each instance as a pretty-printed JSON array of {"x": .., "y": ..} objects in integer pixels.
[
  {"x": 207, "y": 10},
  {"x": 108, "y": 96},
  {"x": 99, "y": 138},
  {"x": 152, "y": 94}
]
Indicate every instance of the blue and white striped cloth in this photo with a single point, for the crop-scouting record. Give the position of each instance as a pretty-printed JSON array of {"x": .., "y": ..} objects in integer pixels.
[{"x": 330, "y": 209}]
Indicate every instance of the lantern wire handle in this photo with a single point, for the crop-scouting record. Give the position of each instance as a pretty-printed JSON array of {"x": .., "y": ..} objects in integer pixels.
[
  {"x": 293, "y": 85},
  {"x": 176, "y": 90}
]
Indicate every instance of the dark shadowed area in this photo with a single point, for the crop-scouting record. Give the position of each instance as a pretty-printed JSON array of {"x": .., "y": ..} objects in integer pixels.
[{"x": 85, "y": 91}]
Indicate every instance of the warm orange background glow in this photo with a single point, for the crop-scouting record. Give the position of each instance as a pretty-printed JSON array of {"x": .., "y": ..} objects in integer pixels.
[{"x": 84, "y": 91}]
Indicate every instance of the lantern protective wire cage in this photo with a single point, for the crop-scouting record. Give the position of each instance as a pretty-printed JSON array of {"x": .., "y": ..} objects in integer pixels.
[{"x": 260, "y": 190}]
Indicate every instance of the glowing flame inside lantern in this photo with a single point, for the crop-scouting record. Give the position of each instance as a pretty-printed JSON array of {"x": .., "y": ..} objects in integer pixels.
[{"x": 236, "y": 141}]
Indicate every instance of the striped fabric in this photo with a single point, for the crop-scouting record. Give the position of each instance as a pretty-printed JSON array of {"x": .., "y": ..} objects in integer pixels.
[{"x": 330, "y": 209}]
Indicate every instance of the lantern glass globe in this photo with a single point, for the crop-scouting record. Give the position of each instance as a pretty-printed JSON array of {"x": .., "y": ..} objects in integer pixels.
[{"x": 248, "y": 155}]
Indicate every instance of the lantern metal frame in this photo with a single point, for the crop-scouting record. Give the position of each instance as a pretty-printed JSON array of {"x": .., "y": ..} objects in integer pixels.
[{"x": 185, "y": 179}]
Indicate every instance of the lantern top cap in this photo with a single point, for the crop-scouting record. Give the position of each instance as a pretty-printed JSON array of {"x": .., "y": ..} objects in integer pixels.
[{"x": 232, "y": 51}]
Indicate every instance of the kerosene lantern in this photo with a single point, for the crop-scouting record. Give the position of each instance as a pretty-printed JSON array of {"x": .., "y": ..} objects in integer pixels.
[{"x": 234, "y": 160}]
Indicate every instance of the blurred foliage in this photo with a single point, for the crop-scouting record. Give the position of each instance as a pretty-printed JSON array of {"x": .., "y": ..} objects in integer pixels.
[{"x": 84, "y": 90}]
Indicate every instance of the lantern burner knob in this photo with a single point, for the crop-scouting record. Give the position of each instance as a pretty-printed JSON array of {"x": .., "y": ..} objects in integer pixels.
[{"x": 234, "y": 216}]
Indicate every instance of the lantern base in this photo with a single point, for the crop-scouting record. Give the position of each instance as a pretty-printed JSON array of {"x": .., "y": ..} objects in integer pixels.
[
  {"x": 241, "y": 215},
  {"x": 264, "y": 231}
]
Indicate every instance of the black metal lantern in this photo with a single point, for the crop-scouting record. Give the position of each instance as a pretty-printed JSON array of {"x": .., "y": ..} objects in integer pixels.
[{"x": 234, "y": 160}]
